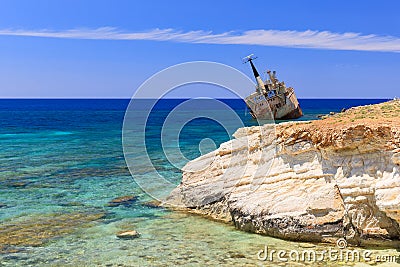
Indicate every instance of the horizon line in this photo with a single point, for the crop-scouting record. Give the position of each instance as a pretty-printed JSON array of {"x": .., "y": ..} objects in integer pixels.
[{"x": 206, "y": 98}]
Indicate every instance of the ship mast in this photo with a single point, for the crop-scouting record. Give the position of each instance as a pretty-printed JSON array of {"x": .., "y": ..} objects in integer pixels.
[{"x": 260, "y": 83}]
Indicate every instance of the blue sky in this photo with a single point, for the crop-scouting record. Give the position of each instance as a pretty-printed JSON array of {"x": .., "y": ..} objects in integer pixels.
[{"x": 340, "y": 49}]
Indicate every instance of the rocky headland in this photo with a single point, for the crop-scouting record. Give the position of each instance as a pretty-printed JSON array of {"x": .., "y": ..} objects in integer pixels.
[{"x": 306, "y": 181}]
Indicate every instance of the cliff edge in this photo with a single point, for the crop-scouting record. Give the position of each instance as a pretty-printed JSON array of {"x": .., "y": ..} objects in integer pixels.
[{"x": 307, "y": 181}]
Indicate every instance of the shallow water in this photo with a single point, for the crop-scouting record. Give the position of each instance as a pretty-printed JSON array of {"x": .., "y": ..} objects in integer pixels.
[{"x": 64, "y": 157}]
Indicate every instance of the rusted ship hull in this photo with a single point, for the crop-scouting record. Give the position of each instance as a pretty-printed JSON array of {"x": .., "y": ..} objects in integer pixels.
[
  {"x": 278, "y": 107},
  {"x": 294, "y": 114}
]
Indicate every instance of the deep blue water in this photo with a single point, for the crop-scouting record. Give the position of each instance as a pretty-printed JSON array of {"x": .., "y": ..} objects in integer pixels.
[
  {"x": 27, "y": 115},
  {"x": 66, "y": 156},
  {"x": 121, "y": 104}
]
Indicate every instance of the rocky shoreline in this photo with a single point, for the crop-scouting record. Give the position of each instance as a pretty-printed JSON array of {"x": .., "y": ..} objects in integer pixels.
[{"x": 305, "y": 181}]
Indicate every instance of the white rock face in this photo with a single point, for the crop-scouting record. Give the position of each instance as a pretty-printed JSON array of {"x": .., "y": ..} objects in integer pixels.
[{"x": 300, "y": 183}]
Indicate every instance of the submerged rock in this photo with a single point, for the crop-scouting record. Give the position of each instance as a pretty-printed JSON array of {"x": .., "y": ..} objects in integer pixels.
[
  {"x": 153, "y": 204},
  {"x": 19, "y": 184},
  {"x": 316, "y": 181},
  {"x": 128, "y": 234},
  {"x": 37, "y": 230},
  {"x": 72, "y": 204},
  {"x": 126, "y": 201}
]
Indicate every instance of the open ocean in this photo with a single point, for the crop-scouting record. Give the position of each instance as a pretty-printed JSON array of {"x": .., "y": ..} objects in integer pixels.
[{"x": 61, "y": 162}]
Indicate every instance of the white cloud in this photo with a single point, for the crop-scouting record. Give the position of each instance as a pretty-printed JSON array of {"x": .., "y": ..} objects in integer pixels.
[{"x": 295, "y": 39}]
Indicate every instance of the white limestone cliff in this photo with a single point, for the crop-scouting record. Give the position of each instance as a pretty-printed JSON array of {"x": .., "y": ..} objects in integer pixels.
[{"x": 311, "y": 181}]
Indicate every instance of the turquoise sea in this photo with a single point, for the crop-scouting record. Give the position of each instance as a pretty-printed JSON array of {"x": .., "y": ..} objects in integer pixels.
[{"x": 62, "y": 162}]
